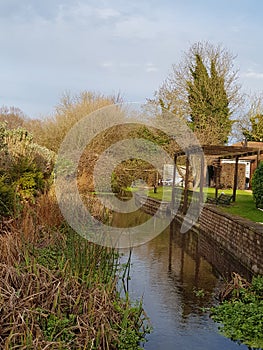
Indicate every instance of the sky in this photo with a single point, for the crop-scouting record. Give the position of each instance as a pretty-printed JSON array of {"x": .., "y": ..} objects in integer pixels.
[{"x": 52, "y": 47}]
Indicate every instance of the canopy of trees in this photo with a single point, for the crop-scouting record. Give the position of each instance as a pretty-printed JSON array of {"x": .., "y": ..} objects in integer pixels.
[{"x": 251, "y": 125}]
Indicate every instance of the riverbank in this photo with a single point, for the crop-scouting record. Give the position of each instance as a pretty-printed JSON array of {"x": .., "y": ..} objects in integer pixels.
[
  {"x": 240, "y": 237},
  {"x": 244, "y": 206},
  {"x": 59, "y": 291},
  {"x": 230, "y": 244}
]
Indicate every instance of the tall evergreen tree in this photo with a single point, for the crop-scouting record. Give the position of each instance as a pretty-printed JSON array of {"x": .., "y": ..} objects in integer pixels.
[
  {"x": 203, "y": 89},
  {"x": 208, "y": 102}
]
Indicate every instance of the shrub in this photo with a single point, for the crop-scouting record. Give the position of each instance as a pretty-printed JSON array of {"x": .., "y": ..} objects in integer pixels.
[
  {"x": 257, "y": 186},
  {"x": 7, "y": 197},
  {"x": 25, "y": 169}
]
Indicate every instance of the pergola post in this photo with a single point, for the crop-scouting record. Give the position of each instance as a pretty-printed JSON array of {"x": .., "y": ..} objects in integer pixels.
[
  {"x": 201, "y": 187},
  {"x": 217, "y": 152},
  {"x": 217, "y": 177},
  {"x": 186, "y": 184},
  {"x": 173, "y": 189},
  {"x": 235, "y": 179}
]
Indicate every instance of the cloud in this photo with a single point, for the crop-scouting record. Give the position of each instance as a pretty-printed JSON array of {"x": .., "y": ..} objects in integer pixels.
[
  {"x": 150, "y": 67},
  {"x": 106, "y": 13},
  {"x": 252, "y": 74},
  {"x": 106, "y": 64},
  {"x": 136, "y": 27},
  {"x": 57, "y": 45}
]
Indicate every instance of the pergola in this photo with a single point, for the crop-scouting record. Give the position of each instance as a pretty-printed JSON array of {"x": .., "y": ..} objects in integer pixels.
[{"x": 216, "y": 153}]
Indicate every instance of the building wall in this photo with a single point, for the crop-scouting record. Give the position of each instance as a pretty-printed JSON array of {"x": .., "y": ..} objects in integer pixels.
[{"x": 227, "y": 175}]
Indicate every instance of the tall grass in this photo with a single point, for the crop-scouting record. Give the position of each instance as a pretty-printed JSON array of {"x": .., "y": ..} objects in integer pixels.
[{"x": 59, "y": 291}]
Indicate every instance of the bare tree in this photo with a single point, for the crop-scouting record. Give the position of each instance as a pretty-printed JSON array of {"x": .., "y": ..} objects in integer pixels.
[{"x": 250, "y": 125}]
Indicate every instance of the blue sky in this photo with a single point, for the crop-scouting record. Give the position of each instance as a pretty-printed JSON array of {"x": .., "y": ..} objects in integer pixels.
[{"x": 56, "y": 46}]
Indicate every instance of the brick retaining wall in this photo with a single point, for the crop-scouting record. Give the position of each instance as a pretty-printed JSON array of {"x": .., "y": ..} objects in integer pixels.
[{"x": 240, "y": 237}]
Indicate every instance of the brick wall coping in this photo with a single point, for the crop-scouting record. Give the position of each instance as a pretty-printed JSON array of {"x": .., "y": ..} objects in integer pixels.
[{"x": 254, "y": 226}]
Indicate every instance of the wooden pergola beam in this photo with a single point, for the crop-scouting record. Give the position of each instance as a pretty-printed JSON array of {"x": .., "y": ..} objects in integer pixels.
[
  {"x": 235, "y": 179},
  {"x": 216, "y": 152}
]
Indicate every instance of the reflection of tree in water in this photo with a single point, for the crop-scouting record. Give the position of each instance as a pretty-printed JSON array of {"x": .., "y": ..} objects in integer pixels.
[
  {"x": 129, "y": 219},
  {"x": 192, "y": 271}
]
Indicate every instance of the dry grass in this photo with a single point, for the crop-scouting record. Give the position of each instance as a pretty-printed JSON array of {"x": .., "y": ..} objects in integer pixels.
[
  {"x": 34, "y": 223},
  {"x": 57, "y": 290},
  {"x": 37, "y": 304}
]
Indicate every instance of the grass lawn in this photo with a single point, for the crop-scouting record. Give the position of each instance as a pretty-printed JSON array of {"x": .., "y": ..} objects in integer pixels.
[
  {"x": 244, "y": 205},
  {"x": 165, "y": 191}
]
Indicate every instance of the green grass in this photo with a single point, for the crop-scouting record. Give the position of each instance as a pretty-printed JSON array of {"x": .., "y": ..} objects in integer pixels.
[
  {"x": 244, "y": 206},
  {"x": 161, "y": 191}
]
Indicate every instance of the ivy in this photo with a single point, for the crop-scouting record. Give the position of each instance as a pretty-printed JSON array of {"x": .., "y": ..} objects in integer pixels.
[{"x": 257, "y": 186}]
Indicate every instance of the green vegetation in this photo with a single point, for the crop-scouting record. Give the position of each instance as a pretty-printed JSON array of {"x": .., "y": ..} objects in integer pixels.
[
  {"x": 257, "y": 187},
  {"x": 244, "y": 205},
  {"x": 60, "y": 291},
  {"x": 25, "y": 169},
  {"x": 57, "y": 290},
  {"x": 242, "y": 315},
  {"x": 203, "y": 90},
  {"x": 208, "y": 101},
  {"x": 252, "y": 124},
  {"x": 163, "y": 192}
]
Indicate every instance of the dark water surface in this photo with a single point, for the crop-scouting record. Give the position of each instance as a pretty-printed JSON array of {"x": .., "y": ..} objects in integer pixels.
[{"x": 167, "y": 272}]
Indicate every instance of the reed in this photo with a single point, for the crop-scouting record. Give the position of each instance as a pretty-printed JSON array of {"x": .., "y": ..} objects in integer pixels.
[{"x": 59, "y": 291}]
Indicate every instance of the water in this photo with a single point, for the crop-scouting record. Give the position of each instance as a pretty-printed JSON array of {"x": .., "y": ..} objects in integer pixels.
[{"x": 169, "y": 272}]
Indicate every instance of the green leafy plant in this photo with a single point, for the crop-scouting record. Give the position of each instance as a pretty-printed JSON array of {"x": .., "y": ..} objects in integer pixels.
[
  {"x": 200, "y": 293},
  {"x": 7, "y": 197},
  {"x": 241, "y": 316},
  {"x": 257, "y": 186},
  {"x": 25, "y": 169}
]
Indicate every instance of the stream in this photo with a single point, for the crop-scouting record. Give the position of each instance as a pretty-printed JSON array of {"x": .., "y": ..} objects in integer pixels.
[{"x": 178, "y": 276}]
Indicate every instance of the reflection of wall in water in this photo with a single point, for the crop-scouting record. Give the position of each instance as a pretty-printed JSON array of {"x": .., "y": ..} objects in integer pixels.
[
  {"x": 184, "y": 273},
  {"x": 193, "y": 271},
  {"x": 223, "y": 263}
]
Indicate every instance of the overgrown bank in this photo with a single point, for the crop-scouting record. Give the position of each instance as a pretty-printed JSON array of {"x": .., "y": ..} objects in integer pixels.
[
  {"x": 58, "y": 291},
  {"x": 241, "y": 311}
]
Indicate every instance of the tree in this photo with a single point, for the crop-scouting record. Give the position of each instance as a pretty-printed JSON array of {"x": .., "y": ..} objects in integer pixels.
[
  {"x": 208, "y": 103},
  {"x": 51, "y": 131},
  {"x": 203, "y": 89},
  {"x": 256, "y": 131},
  {"x": 13, "y": 117},
  {"x": 257, "y": 187},
  {"x": 252, "y": 123}
]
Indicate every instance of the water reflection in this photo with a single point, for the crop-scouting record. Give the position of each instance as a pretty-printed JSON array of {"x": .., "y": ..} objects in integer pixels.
[{"x": 176, "y": 276}]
